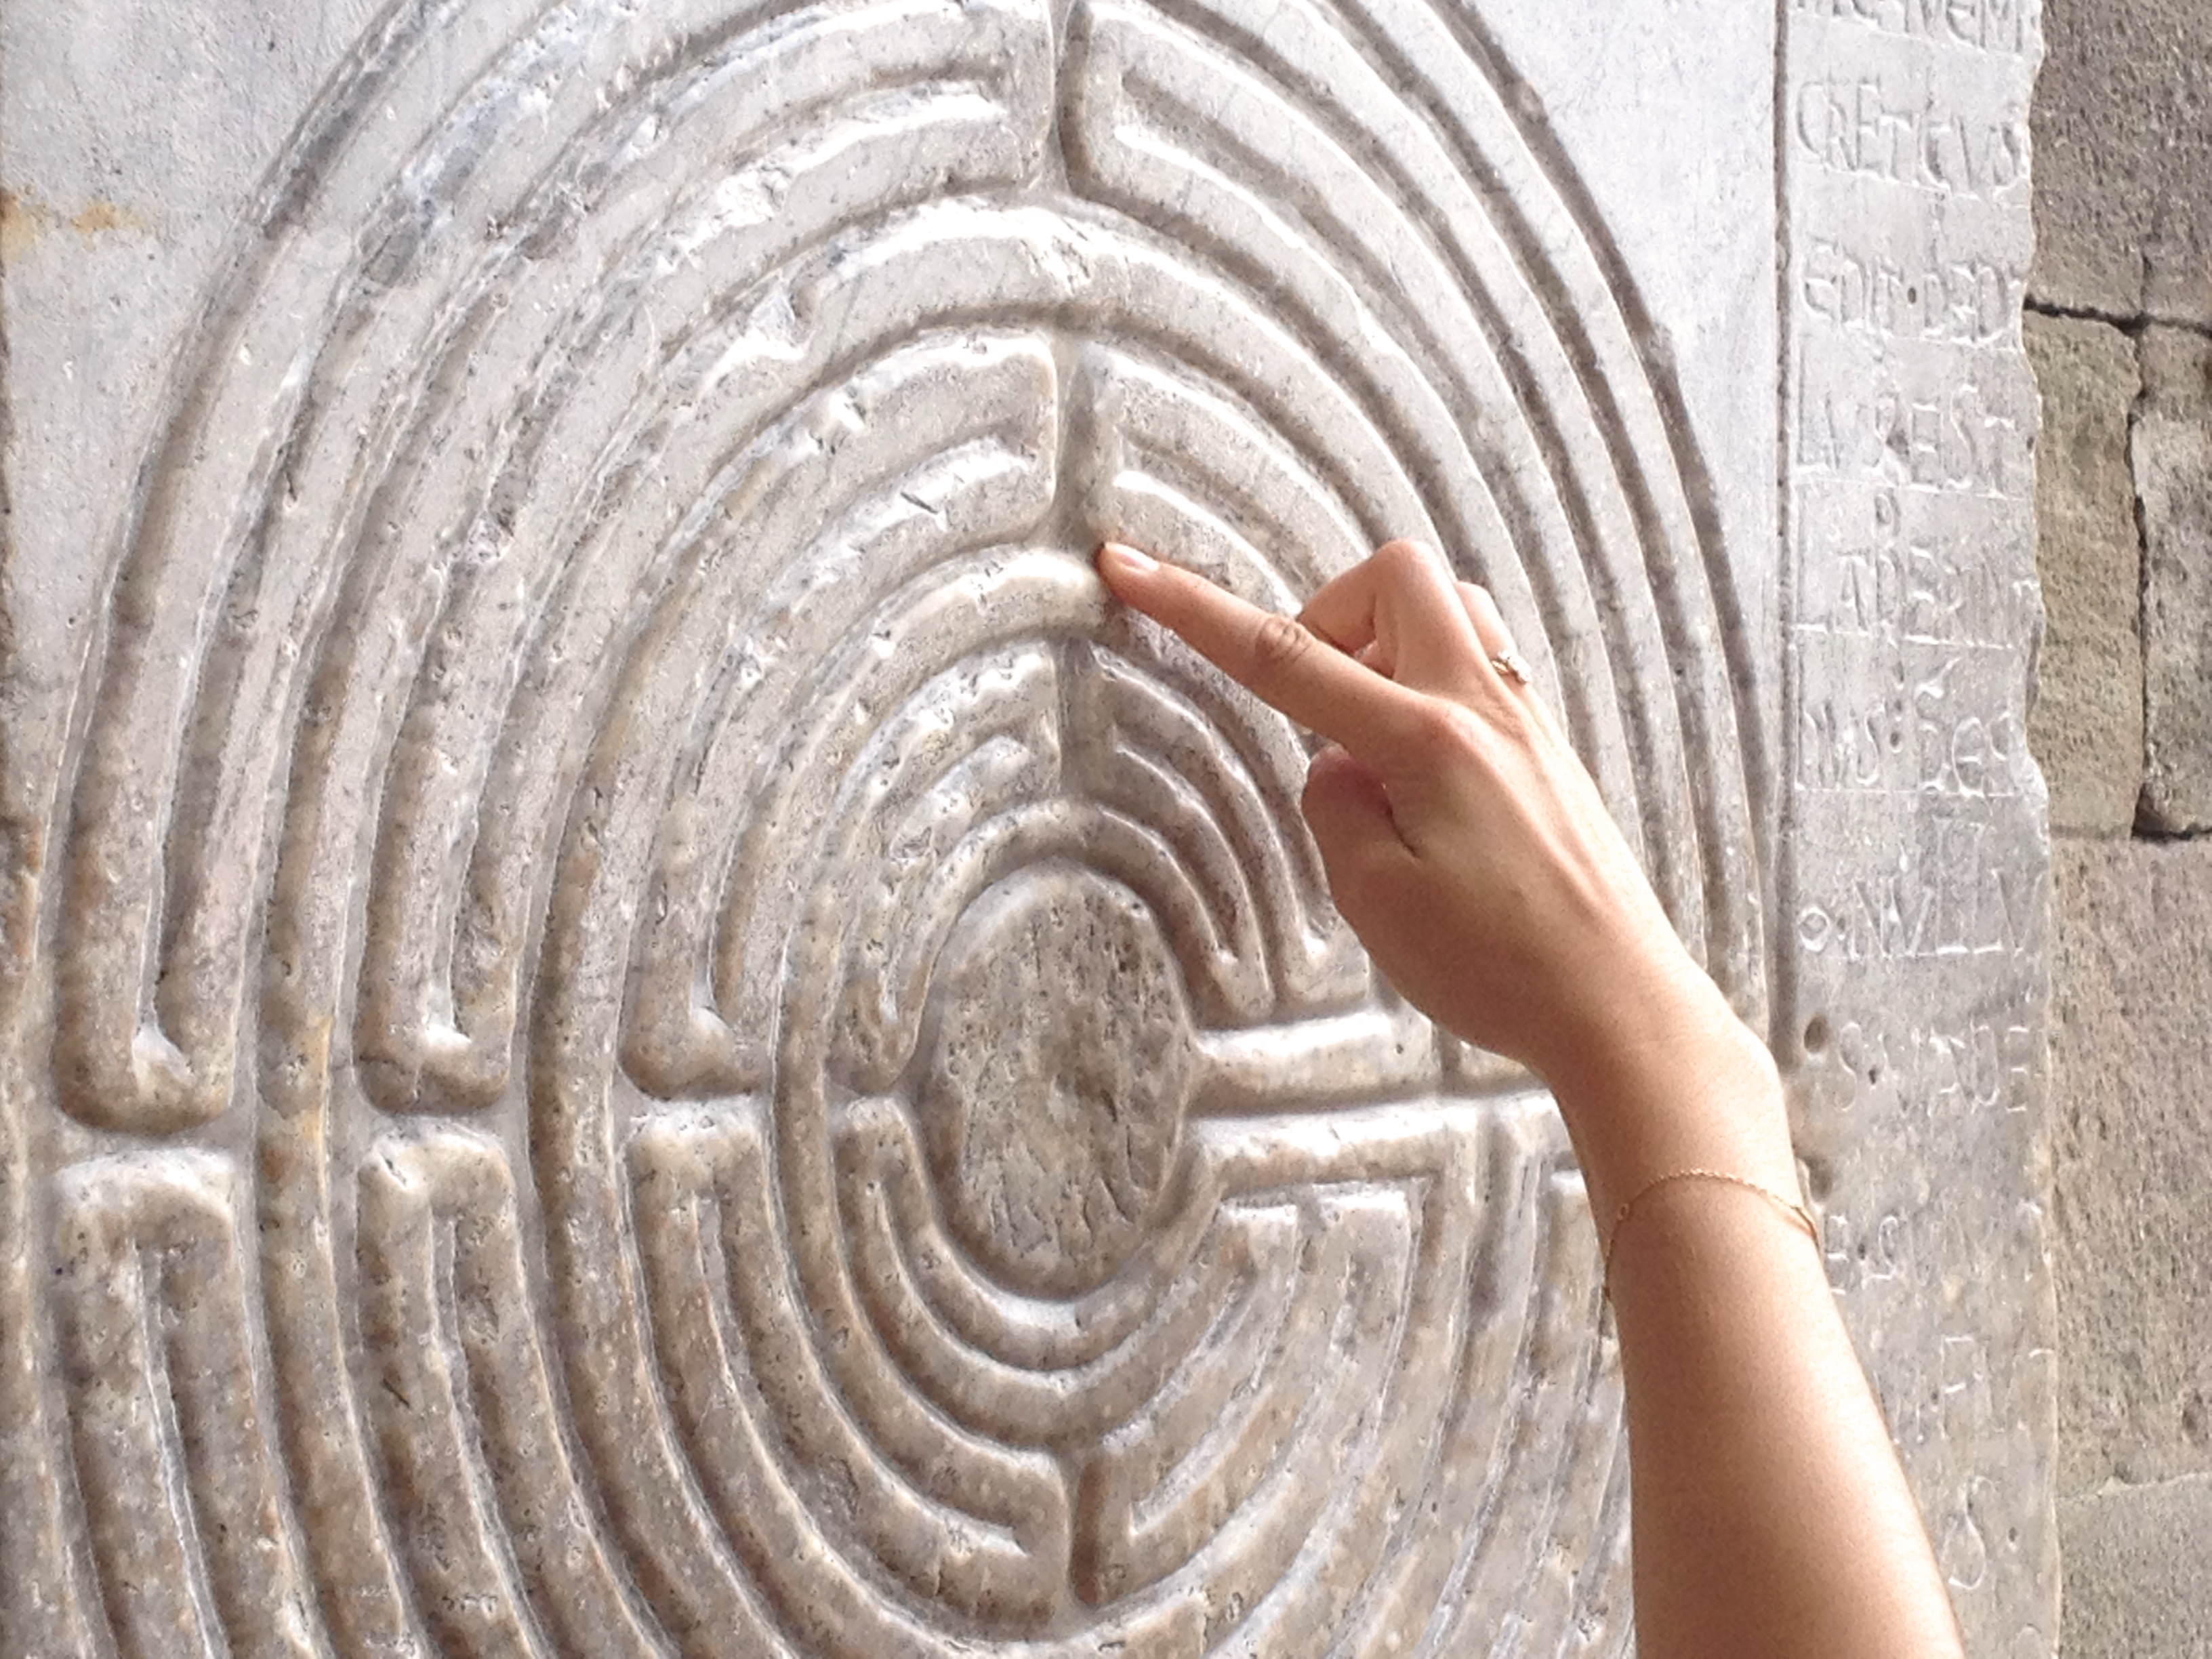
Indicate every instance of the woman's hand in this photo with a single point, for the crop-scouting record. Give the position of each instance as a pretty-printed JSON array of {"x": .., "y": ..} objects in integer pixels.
[
  {"x": 1467, "y": 847},
  {"x": 1465, "y": 843}
]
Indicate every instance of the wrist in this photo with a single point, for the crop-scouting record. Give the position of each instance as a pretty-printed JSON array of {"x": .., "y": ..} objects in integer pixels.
[{"x": 1673, "y": 1081}]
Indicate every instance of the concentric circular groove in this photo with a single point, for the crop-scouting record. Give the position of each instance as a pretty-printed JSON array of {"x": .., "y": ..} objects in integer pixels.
[{"x": 606, "y": 622}]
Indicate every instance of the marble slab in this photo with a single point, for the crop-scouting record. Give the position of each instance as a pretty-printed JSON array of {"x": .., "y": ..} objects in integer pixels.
[{"x": 633, "y": 1021}]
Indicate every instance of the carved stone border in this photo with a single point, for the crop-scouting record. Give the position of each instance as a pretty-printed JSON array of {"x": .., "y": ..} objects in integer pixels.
[{"x": 1915, "y": 856}]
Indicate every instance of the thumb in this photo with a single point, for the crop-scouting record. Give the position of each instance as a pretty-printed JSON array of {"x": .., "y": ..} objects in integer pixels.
[{"x": 1349, "y": 812}]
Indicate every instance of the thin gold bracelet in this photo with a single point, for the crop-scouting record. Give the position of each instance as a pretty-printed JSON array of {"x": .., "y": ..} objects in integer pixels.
[{"x": 1796, "y": 1211}]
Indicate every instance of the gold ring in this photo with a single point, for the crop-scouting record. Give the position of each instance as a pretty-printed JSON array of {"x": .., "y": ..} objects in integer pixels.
[{"x": 1507, "y": 663}]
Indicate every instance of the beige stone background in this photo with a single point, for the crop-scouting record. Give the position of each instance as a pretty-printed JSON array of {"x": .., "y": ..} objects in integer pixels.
[{"x": 2119, "y": 330}]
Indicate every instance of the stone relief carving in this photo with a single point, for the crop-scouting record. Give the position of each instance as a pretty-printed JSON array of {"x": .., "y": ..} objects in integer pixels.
[
  {"x": 1918, "y": 841},
  {"x": 670, "y": 1038}
]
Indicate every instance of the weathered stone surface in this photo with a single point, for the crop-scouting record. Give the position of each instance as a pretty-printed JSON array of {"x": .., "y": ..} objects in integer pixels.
[
  {"x": 2122, "y": 126},
  {"x": 639, "y": 1024},
  {"x": 2172, "y": 453},
  {"x": 2086, "y": 726},
  {"x": 1915, "y": 853},
  {"x": 2136, "y": 1586},
  {"x": 2132, "y": 972}
]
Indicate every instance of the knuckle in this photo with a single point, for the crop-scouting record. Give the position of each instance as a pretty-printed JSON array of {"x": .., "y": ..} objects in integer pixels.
[
  {"x": 1505, "y": 710},
  {"x": 1482, "y": 607},
  {"x": 1307, "y": 623},
  {"x": 1404, "y": 557},
  {"x": 1442, "y": 728},
  {"x": 1513, "y": 723},
  {"x": 1279, "y": 643}
]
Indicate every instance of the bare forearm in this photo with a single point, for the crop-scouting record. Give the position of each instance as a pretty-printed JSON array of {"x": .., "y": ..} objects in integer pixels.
[
  {"x": 1469, "y": 849},
  {"x": 1770, "y": 1514}
]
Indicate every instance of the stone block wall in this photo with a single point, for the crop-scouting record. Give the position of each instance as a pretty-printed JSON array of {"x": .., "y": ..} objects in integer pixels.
[{"x": 2119, "y": 330}]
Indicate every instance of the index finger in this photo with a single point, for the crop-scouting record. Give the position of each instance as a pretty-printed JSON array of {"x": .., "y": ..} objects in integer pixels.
[{"x": 1274, "y": 657}]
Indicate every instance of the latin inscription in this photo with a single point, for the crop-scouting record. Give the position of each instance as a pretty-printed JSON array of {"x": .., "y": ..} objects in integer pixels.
[
  {"x": 2000, "y": 26},
  {"x": 1938, "y": 422},
  {"x": 1928, "y": 1071},
  {"x": 1970, "y": 300},
  {"x": 1946, "y": 894},
  {"x": 1862, "y": 127},
  {"x": 1920, "y": 884},
  {"x": 1890, "y": 575},
  {"x": 1912, "y": 737}
]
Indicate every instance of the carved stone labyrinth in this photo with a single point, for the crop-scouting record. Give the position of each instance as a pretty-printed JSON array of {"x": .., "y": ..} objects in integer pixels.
[{"x": 678, "y": 1039}]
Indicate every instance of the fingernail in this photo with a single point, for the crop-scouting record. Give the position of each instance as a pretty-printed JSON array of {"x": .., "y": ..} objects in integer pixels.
[{"x": 1127, "y": 560}]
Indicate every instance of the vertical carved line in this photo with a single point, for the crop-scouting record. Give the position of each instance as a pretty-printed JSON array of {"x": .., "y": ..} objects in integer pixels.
[
  {"x": 180, "y": 1493},
  {"x": 40, "y": 1610},
  {"x": 489, "y": 1504}
]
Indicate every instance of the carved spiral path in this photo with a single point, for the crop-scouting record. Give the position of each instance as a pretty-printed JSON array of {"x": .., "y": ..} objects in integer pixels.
[{"x": 806, "y": 1096}]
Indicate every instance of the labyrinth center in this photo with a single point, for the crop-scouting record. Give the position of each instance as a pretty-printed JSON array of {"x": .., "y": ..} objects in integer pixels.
[{"x": 807, "y": 1095}]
